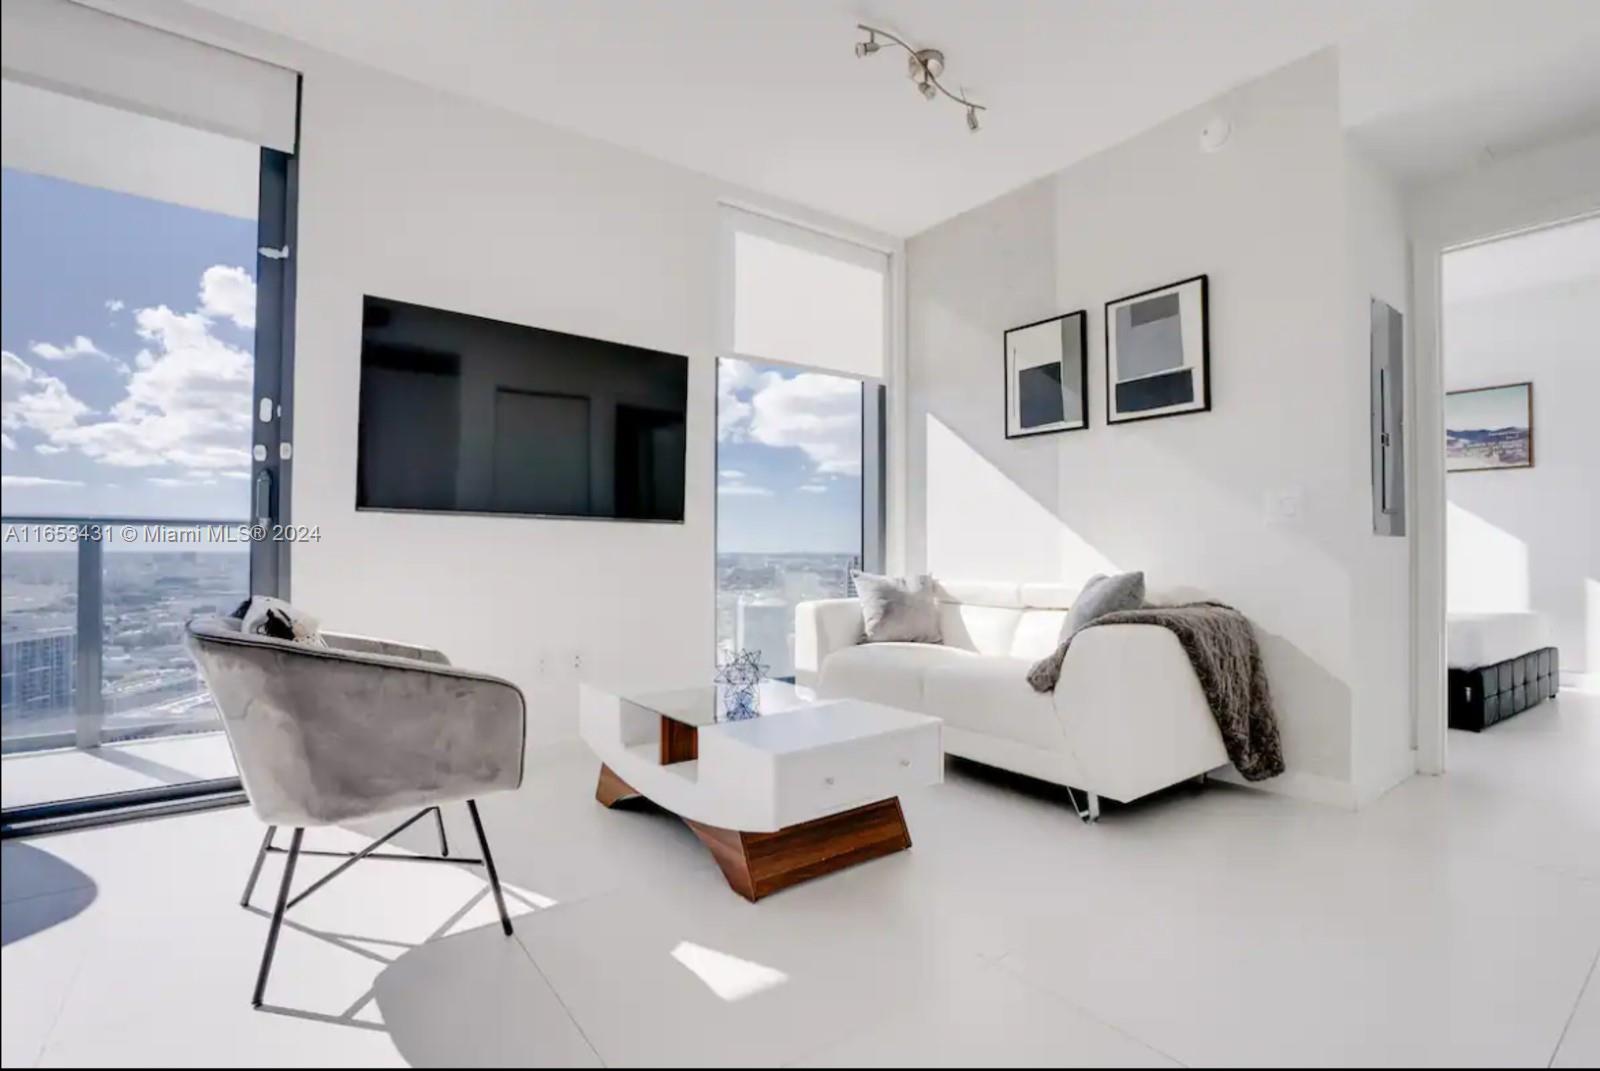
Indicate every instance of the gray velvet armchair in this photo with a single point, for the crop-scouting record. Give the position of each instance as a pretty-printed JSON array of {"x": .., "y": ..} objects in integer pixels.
[{"x": 358, "y": 728}]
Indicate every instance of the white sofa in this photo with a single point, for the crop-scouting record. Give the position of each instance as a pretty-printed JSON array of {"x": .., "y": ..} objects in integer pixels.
[{"x": 1127, "y": 717}]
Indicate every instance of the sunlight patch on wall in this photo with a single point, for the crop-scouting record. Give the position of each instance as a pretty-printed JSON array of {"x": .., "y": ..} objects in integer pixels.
[
  {"x": 1591, "y": 627},
  {"x": 981, "y": 525},
  {"x": 1487, "y": 566}
]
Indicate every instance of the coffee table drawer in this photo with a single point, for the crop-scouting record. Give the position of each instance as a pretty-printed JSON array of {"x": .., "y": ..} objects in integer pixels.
[{"x": 826, "y": 780}]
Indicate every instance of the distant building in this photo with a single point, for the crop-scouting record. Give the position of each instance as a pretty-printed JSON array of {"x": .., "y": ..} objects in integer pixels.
[
  {"x": 767, "y": 625},
  {"x": 36, "y": 672}
]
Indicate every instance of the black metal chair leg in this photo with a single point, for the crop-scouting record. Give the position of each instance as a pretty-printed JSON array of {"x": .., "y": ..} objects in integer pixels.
[
  {"x": 488, "y": 864},
  {"x": 255, "y": 871},
  {"x": 444, "y": 842},
  {"x": 277, "y": 917}
]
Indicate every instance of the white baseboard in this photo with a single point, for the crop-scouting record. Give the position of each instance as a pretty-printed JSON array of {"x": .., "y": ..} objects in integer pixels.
[{"x": 1297, "y": 784}]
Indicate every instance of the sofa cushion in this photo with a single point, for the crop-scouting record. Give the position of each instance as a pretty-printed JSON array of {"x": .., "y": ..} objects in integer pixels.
[
  {"x": 1039, "y": 632},
  {"x": 985, "y": 629},
  {"x": 889, "y": 673},
  {"x": 991, "y": 695}
]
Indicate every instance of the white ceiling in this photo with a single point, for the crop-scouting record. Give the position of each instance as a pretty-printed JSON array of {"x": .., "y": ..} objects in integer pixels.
[{"x": 768, "y": 94}]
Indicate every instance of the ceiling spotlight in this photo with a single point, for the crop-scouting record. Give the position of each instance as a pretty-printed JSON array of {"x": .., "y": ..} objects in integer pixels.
[{"x": 924, "y": 65}]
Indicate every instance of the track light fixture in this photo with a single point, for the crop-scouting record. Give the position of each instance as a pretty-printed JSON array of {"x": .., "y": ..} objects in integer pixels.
[{"x": 924, "y": 65}]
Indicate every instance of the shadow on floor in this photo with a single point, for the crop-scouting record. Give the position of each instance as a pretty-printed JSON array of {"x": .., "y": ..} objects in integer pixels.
[
  {"x": 476, "y": 999},
  {"x": 1058, "y": 796},
  {"x": 31, "y": 872},
  {"x": 159, "y": 772}
]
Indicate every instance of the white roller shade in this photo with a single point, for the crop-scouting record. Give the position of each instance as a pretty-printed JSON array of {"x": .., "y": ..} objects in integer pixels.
[
  {"x": 69, "y": 48},
  {"x": 801, "y": 297}
]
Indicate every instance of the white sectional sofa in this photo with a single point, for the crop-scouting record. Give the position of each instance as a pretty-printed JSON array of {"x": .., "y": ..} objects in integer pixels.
[{"x": 1127, "y": 718}]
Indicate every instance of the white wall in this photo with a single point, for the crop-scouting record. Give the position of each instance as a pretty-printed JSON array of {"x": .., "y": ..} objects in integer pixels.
[
  {"x": 1263, "y": 502},
  {"x": 1378, "y": 262},
  {"x": 422, "y": 197},
  {"x": 1550, "y": 182},
  {"x": 1528, "y": 308}
]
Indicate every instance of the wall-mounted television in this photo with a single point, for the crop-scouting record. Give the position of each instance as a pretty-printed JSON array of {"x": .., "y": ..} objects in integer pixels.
[{"x": 461, "y": 414}]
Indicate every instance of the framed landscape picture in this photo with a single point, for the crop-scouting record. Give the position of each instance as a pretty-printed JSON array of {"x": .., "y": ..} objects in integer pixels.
[
  {"x": 1046, "y": 367},
  {"x": 1489, "y": 428},
  {"x": 1158, "y": 353}
]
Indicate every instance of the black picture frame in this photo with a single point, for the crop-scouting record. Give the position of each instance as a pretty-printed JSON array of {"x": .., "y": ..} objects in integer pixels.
[
  {"x": 1082, "y": 316},
  {"x": 1205, "y": 348}
]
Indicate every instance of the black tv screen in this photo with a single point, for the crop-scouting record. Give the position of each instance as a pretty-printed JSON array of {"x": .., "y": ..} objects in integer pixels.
[{"x": 464, "y": 414}]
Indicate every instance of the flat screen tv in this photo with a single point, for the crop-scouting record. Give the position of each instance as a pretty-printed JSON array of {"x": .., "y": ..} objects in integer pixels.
[{"x": 463, "y": 414}]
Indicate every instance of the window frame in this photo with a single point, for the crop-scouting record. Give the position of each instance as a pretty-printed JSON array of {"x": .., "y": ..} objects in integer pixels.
[
  {"x": 277, "y": 220},
  {"x": 734, "y": 218}
]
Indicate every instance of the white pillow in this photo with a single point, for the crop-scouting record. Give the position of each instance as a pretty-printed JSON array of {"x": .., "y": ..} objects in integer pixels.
[{"x": 266, "y": 616}]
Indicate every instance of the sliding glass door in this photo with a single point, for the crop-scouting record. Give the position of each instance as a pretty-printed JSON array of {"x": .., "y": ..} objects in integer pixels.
[{"x": 137, "y": 423}]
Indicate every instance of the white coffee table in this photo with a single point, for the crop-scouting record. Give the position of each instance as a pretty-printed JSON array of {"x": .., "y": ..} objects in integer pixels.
[{"x": 809, "y": 787}]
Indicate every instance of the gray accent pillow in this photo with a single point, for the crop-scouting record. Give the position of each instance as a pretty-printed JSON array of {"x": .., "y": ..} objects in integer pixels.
[
  {"x": 1103, "y": 595},
  {"x": 898, "y": 608}
]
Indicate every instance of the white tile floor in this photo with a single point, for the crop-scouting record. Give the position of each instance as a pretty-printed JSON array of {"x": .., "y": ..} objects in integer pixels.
[
  {"x": 66, "y": 773},
  {"x": 1456, "y": 921}
]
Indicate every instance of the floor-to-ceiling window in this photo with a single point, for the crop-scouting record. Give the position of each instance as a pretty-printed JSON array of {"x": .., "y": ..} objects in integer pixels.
[
  {"x": 141, "y": 423},
  {"x": 799, "y": 428}
]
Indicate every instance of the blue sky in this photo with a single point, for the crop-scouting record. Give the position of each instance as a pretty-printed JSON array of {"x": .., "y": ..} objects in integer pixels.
[
  {"x": 788, "y": 460},
  {"x": 127, "y": 327}
]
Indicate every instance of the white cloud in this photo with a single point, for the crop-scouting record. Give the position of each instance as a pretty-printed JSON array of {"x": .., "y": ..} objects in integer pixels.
[
  {"x": 743, "y": 489},
  {"x": 188, "y": 392},
  {"x": 49, "y": 448},
  {"x": 188, "y": 400},
  {"x": 115, "y": 305},
  {"x": 32, "y": 399},
  {"x": 191, "y": 479},
  {"x": 730, "y": 474},
  {"x": 734, "y": 377},
  {"x": 228, "y": 293},
  {"x": 810, "y": 411},
  {"x": 80, "y": 346},
  {"x": 819, "y": 414},
  {"x": 814, "y": 488},
  {"x": 37, "y": 481},
  {"x": 7, "y": 441}
]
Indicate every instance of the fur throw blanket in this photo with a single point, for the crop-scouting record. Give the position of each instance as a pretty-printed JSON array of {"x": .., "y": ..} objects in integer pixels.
[{"x": 1222, "y": 648}]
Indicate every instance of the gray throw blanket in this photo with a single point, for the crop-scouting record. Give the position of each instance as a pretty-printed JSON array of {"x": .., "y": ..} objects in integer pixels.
[{"x": 1222, "y": 648}]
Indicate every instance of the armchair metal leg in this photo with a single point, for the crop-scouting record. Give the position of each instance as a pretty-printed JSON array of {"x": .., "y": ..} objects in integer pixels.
[
  {"x": 488, "y": 865},
  {"x": 277, "y": 916},
  {"x": 1090, "y": 813},
  {"x": 255, "y": 870},
  {"x": 444, "y": 842}
]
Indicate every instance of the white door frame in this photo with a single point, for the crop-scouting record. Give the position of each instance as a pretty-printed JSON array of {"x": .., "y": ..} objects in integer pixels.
[{"x": 1462, "y": 222}]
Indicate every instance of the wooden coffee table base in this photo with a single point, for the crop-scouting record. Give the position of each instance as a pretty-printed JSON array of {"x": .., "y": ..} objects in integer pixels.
[{"x": 758, "y": 864}]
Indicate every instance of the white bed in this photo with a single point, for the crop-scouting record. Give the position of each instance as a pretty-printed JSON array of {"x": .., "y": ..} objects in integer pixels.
[{"x": 1482, "y": 639}]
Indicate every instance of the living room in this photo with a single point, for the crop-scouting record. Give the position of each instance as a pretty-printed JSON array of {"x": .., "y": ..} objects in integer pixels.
[{"x": 841, "y": 276}]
